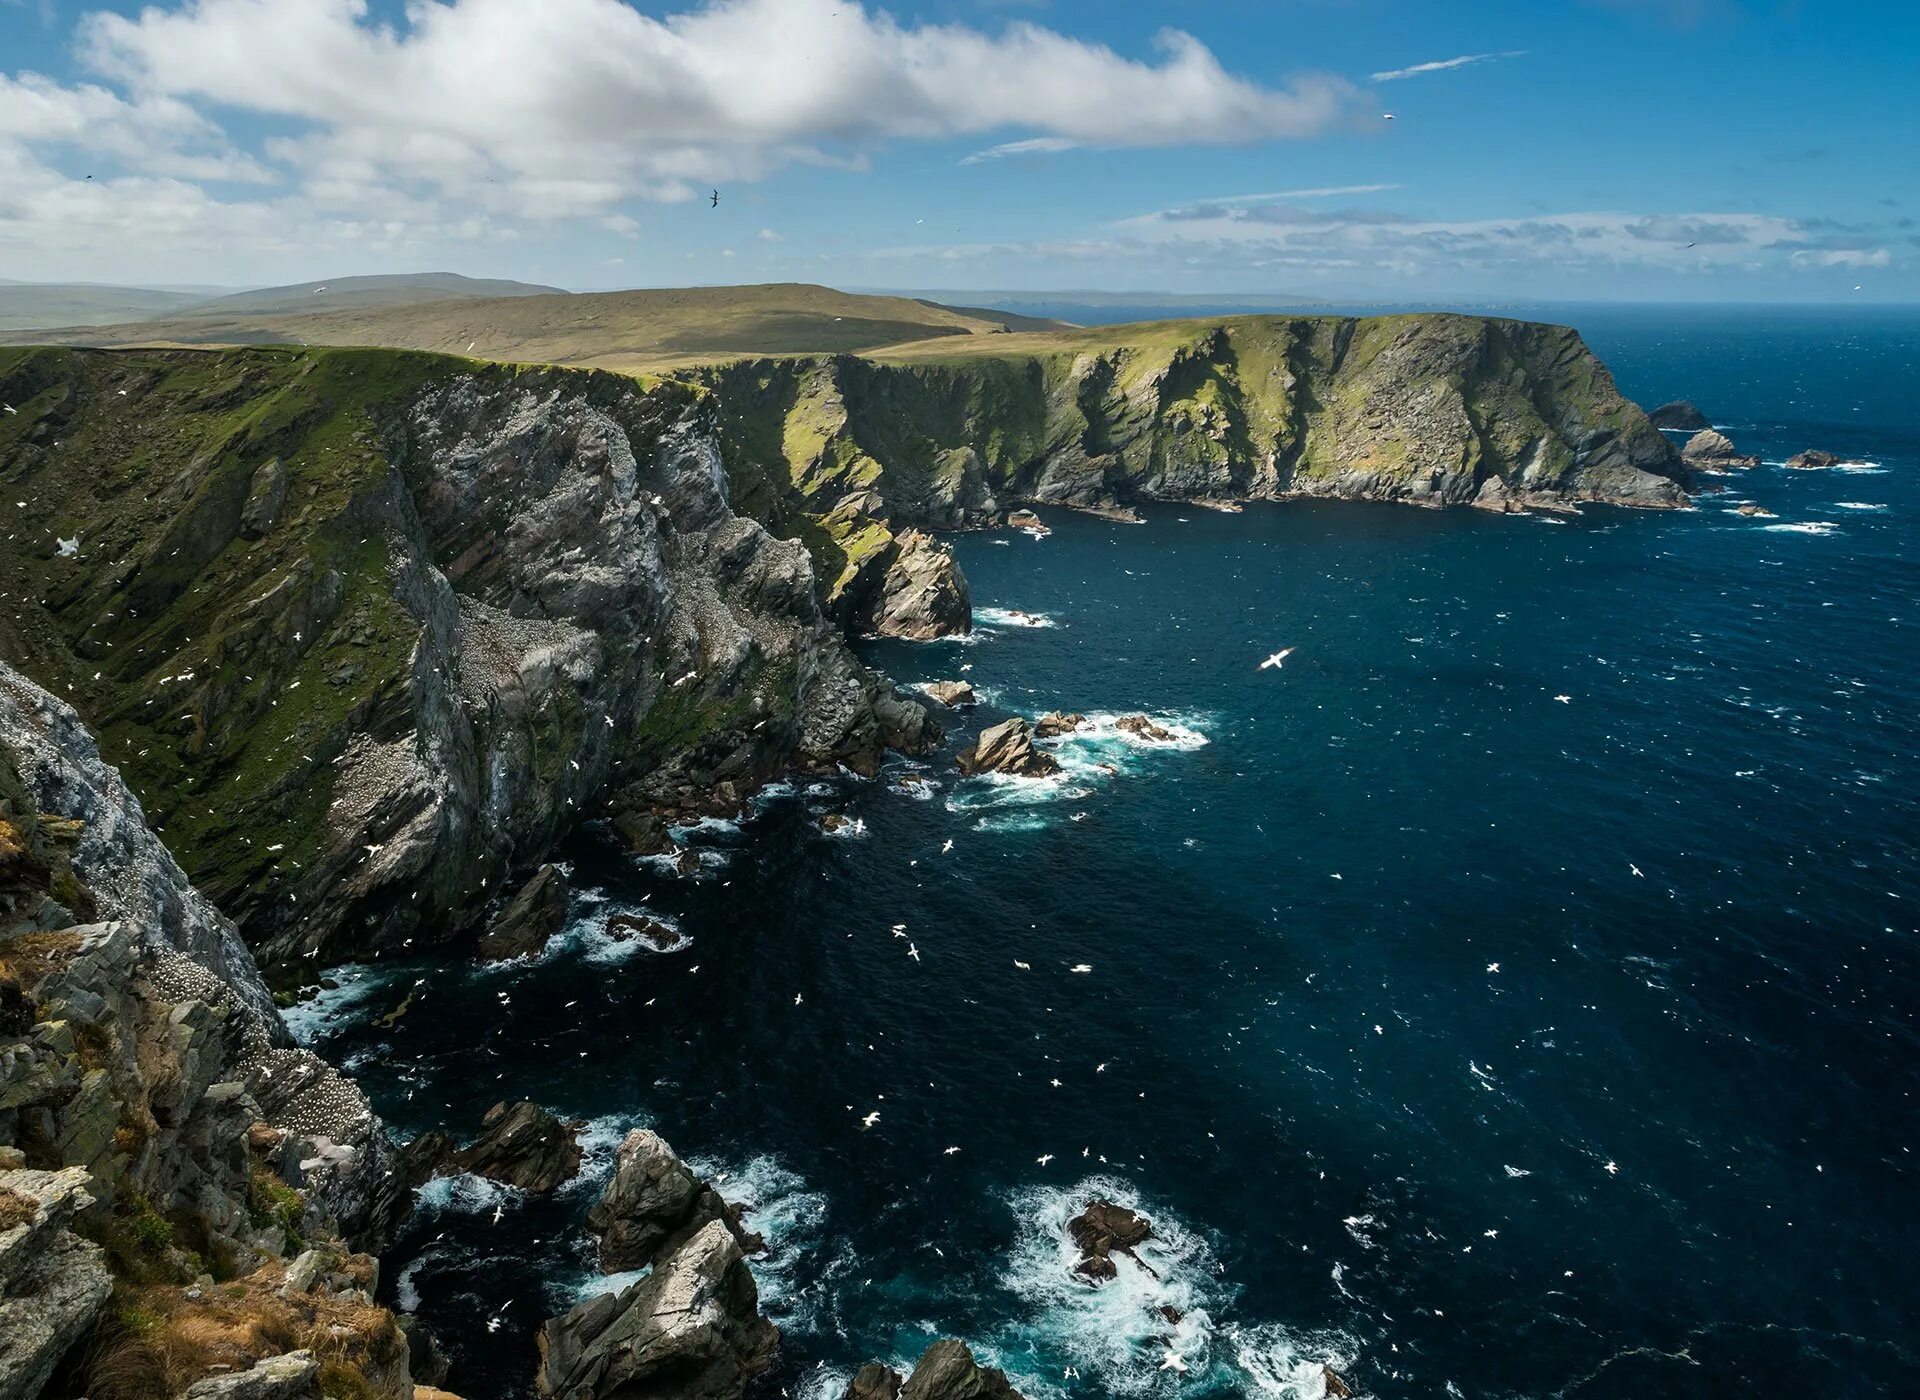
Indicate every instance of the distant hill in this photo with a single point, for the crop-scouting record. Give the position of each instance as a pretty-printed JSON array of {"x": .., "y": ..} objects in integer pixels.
[
  {"x": 35, "y": 305},
  {"x": 634, "y": 330},
  {"x": 353, "y": 293}
]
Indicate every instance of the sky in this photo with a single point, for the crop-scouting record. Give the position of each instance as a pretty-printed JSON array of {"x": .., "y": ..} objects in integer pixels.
[{"x": 1405, "y": 150}]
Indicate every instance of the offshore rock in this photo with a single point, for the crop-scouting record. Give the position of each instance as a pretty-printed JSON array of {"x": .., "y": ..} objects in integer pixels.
[
  {"x": 1141, "y": 727},
  {"x": 1714, "y": 451},
  {"x": 950, "y": 693},
  {"x": 522, "y": 1144},
  {"x": 690, "y": 1330},
  {"x": 1679, "y": 415},
  {"x": 945, "y": 1371},
  {"x": 535, "y": 913},
  {"x": 1813, "y": 459},
  {"x": 652, "y": 1203},
  {"x": 1008, "y": 747},
  {"x": 922, "y": 594},
  {"x": 1102, "y": 1230},
  {"x": 1055, "y": 723}
]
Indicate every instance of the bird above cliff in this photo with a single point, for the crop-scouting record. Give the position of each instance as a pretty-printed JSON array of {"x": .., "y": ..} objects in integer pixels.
[
  {"x": 870, "y": 1119},
  {"x": 68, "y": 548},
  {"x": 716, "y": 199},
  {"x": 1275, "y": 661}
]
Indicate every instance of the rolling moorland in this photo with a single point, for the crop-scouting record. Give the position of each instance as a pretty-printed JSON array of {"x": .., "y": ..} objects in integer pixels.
[{"x": 366, "y": 631}]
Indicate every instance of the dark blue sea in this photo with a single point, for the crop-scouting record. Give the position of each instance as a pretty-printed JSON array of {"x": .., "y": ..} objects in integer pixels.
[{"x": 1513, "y": 994}]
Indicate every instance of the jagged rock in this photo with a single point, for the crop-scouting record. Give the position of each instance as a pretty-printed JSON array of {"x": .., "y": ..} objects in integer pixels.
[
  {"x": 922, "y": 594},
  {"x": 950, "y": 693},
  {"x": 690, "y": 1330},
  {"x": 646, "y": 833},
  {"x": 1142, "y": 727},
  {"x": 1715, "y": 451},
  {"x": 1680, "y": 415},
  {"x": 1335, "y": 1385},
  {"x": 1028, "y": 521},
  {"x": 52, "y": 1283},
  {"x": 652, "y": 1202},
  {"x": 652, "y": 932},
  {"x": 1813, "y": 458},
  {"x": 534, "y": 914},
  {"x": 266, "y": 498},
  {"x": 1102, "y": 1230},
  {"x": 1054, "y": 723},
  {"x": 1008, "y": 748},
  {"x": 873, "y": 1382},
  {"x": 294, "y": 1376},
  {"x": 522, "y": 1144},
  {"x": 947, "y": 1371},
  {"x": 1751, "y": 509}
]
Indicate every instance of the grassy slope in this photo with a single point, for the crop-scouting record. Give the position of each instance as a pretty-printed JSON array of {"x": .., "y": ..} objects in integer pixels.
[
  {"x": 27, "y": 306},
  {"x": 632, "y": 331}
]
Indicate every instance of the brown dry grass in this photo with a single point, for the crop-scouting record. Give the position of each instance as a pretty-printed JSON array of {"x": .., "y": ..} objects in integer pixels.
[
  {"x": 32, "y": 957},
  {"x": 15, "y": 1208},
  {"x": 166, "y": 1340}
]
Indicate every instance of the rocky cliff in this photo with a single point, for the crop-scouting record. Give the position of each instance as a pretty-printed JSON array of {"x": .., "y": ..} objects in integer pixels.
[
  {"x": 368, "y": 631},
  {"x": 1434, "y": 410}
]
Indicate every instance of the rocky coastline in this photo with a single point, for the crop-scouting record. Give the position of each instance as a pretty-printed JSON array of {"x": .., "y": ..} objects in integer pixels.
[{"x": 351, "y": 639}]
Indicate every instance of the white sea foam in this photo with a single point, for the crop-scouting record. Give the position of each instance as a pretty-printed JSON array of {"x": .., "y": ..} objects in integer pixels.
[
  {"x": 1114, "y": 1333},
  {"x": 1858, "y": 505},
  {"x": 790, "y": 1216},
  {"x": 1805, "y": 527},
  {"x": 705, "y": 826},
  {"x": 357, "y": 983},
  {"x": 852, "y": 829},
  {"x": 465, "y": 1194},
  {"x": 1011, "y": 617},
  {"x": 588, "y": 939}
]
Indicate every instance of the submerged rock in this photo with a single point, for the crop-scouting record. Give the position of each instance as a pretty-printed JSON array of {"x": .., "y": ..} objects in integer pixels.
[
  {"x": 1102, "y": 1230},
  {"x": 522, "y": 1144},
  {"x": 690, "y": 1330},
  {"x": 1813, "y": 459},
  {"x": 945, "y": 1371},
  {"x": 1715, "y": 452},
  {"x": 652, "y": 932},
  {"x": 1679, "y": 415},
  {"x": 1053, "y": 724},
  {"x": 653, "y": 1202},
  {"x": 1008, "y": 748},
  {"x": 922, "y": 594},
  {"x": 949, "y": 693},
  {"x": 534, "y": 914}
]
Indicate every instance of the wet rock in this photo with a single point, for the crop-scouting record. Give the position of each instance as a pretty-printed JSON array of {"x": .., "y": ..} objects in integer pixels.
[
  {"x": 833, "y": 823},
  {"x": 873, "y": 1382},
  {"x": 1336, "y": 1386},
  {"x": 947, "y": 1371},
  {"x": 522, "y": 1144},
  {"x": 1102, "y": 1230},
  {"x": 652, "y": 1203},
  {"x": 1053, "y": 724},
  {"x": 686, "y": 861},
  {"x": 950, "y": 693},
  {"x": 535, "y": 913},
  {"x": 1680, "y": 415},
  {"x": 1715, "y": 451},
  {"x": 1813, "y": 459},
  {"x": 1751, "y": 509},
  {"x": 923, "y": 594},
  {"x": 294, "y": 1376},
  {"x": 1028, "y": 521},
  {"x": 690, "y": 1330},
  {"x": 1008, "y": 748},
  {"x": 652, "y": 932},
  {"x": 1142, "y": 727}
]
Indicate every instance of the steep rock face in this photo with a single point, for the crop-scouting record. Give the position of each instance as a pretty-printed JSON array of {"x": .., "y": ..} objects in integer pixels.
[
  {"x": 52, "y": 1283},
  {"x": 1435, "y": 410},
  {"x": 367, "y": 631},
  {"x": 652, "y": 1202},
  {"x": 1680, "y": 415},
  {"x": 945, "y": 1371},
  {"x": 690, "y": 1330},
  {"x": 921, "y": 594}
]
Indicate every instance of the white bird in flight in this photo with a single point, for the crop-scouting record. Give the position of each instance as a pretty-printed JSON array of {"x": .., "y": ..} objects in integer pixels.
[
  {"x": 1044, "y": 1158},
  {"x": 949, "y": 846},
  {"x": 1081, "y": 967},
  {"x": 949, "y": 1152},
  {"x": 69, "y": 548},
  {"x": 1493, "y": 967},
  {"x": 1276, "y": 659},
  {"x": 1023, "y": 966},
  {"x": 913, "y": 952},
  {"x": 9, "y": 408},
  {"x": 870, "y": 1119},
  {"x": 1173, "y": 1362},
  {"x": 1564, "y": 699},
  {"x": 1635, "y": 869}
]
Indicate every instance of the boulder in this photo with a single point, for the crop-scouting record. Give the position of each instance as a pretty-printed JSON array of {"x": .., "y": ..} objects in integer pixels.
[
  {"x": 949, "y": 693},
  {"x": 873, "y": 1382},
  {"x": 1028, "y": 521},
  {"x": 1143, "y": 728},
  {"x": 652, "y": 1203},
  {"x": 1751, "y": 509},
  {"x": 1715, "y": 452},
  {"x": 947, "y": 1371},
  {"x": 521, "y": 1144},
  {"x": 923, "y": 594},
  {"x": 1813, "y": 459},
  {"x": 1053, "y": 724},
  {"x": 294, "y": 1376},
  {"x": 690, "y": 1330},
  {"x": 266, "y": 498},
  {"x": 650, "y": 931},
  {"x": 1008, "y": 748},
  {"x": 1102, "y": 1230},
  {"x": 1679, "y": 415},
  {"x": 534, "y": 914}
]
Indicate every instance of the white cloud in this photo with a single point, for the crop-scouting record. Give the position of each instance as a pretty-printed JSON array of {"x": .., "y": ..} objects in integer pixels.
[
  {"x": 1032, "y": 146},
  {"x": 767, "y": 235},
  {"x": 1843, "y": 257},
  {"x": 1441, "y": 65},
  {"x": 1323, "y": 192}
]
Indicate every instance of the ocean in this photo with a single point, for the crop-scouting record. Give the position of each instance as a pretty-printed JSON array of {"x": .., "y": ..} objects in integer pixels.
[{"x": 1513, "y": 994}]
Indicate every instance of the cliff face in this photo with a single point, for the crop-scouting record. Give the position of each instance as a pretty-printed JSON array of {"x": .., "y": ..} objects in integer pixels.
[
  {"x": 1434, "y": 410},
  {"x": 368, "y": 631},
  {"x": 155, "y": 1125}
]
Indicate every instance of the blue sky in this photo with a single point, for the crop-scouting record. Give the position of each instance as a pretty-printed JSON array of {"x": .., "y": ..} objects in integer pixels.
[{"x": 1552, "y": 149}]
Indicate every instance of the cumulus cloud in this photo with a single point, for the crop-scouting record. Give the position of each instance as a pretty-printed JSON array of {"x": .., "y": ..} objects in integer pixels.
[{"x": 1441, "y": 65}]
